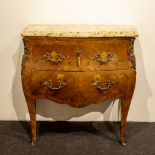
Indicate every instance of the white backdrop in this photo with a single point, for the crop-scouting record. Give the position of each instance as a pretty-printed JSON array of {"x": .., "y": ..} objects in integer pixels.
[{"x": 16, "y": 14}]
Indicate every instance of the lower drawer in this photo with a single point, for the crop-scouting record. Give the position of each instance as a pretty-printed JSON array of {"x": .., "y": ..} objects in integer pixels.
[{"x": 80, "y": 89}]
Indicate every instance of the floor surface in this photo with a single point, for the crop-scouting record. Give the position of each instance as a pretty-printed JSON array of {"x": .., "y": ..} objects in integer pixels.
[{"x": 76, "y": 138}]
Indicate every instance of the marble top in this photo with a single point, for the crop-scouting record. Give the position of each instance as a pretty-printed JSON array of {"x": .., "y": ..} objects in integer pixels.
[{"x": 80, "y": 31}]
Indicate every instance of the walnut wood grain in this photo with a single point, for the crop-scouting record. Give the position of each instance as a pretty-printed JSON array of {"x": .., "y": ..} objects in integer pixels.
[
  {"x": 79, "y": 91},
  {"x": 89, "y": 48},
  {"x": 78, "y": 80}
]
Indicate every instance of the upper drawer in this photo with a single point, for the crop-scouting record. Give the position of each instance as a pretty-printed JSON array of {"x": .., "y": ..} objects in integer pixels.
[{"x": 80, "y": 54}]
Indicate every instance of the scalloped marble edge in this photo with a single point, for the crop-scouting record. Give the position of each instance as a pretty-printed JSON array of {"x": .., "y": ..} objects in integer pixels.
[{"x": 80, "y": 31}]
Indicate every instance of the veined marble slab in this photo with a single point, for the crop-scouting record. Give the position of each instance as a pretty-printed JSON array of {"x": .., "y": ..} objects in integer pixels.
[{"x": 80, "y": 31}]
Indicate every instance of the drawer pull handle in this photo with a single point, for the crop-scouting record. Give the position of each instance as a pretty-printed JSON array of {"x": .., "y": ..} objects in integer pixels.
[
  {"x": 53, "y": 57},
  {"x": 49, "y": 84},
  {"x": 103, "y": 57},
  {"x": 101, "y": 86}
]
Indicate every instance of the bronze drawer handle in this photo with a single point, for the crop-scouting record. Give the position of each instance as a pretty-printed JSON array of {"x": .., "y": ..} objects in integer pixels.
[
  {"x": 49, "y": 84},
  {"x": 101, "y": 86},
  {"x": 54, "y": 57},
  {"x": 103, "y": 57}
]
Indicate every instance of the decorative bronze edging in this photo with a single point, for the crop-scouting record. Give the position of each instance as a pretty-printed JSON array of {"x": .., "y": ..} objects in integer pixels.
[
  {"x": 131, "y": 53},
  {"x": 26, "y": 55}
]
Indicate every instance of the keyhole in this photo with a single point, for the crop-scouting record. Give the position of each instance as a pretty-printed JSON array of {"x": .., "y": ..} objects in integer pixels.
[{"x": 79, "y": 53}]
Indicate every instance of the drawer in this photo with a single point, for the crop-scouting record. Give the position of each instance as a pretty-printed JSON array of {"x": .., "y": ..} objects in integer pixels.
[
  {"x": 80, "y": 55},
  {"x": 80, "y": 89}
]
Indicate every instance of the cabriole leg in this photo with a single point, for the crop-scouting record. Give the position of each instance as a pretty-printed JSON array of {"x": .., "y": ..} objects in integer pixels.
[
  {"x": 125, "y": 108},
  {"x": 31, "y": 104}
]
